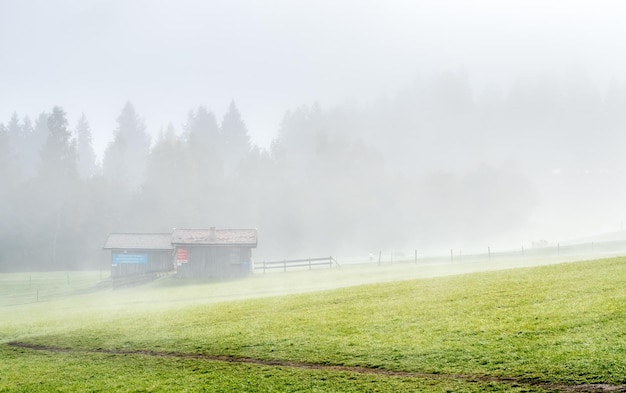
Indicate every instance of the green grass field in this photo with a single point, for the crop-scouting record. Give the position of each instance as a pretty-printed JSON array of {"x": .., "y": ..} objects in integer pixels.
[{"x": 529, "y": 329}]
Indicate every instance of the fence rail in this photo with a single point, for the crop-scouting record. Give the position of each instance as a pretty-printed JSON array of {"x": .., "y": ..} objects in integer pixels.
[{"x": 295, "y": 263}]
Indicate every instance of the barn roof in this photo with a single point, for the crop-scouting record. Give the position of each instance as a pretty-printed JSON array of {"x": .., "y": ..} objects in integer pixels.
[
  {"x": 214, "y": 236},
  {"x": 139, "y": 241}
]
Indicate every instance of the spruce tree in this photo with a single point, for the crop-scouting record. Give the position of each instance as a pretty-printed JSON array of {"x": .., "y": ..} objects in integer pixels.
[
  {"x": 14, "y": 132},
  {"x": 59, "y": 156},
  {"x": 125, "y": 157},
  {"x": 235, "y": 139},
  {"x": 58, "y": 191},
  {"x": 202, "y": 137},
  {"x": 165, "y": 191},
  {"x": 8, "y": 171},
  {"x": 202, "y": 127},
  {"x": 86, "y": 155},
  {"x": 35, "y": 139}
]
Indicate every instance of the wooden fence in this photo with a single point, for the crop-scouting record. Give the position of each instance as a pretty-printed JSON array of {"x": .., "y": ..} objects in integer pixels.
[{"x": 295, "y": 263}]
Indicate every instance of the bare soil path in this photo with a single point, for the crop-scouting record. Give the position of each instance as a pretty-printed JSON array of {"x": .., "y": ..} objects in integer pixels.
[{"x": 592, "y": 388}]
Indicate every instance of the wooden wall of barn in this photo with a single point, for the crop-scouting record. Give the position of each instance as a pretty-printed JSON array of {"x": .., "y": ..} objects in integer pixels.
[
  {"x": 157, "y": 261},
  {"x": 216, "y": 262}
]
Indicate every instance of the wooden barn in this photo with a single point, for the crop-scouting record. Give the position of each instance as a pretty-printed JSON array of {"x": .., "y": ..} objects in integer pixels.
[
  {"x": 140, "y": 254},
  {"x": 214, "y": 253}
]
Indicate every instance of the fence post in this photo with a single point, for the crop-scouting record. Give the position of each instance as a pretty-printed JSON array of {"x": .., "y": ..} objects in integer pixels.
[
  {"x": 489, "y": 252},
  {"x": 380, "y": 253},
  {"x": 263, "y": 267},
  {"x": 416, "y": 256},
  {"x": 451, "y": 256},
  {"x": 284, "y": 265},
  {"x": 309, "y": 263},
  {"x": 523, "y": 253}
]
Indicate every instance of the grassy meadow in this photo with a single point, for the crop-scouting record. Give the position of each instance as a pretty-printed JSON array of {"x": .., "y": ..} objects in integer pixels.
[{"x": 529, "y": 329}]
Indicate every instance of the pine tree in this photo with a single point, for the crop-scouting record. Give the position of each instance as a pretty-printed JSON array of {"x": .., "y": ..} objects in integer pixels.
[
  {"x": 165, "y": 192},
  {"x": 29, "y": 155},
  {"x": 25, "y": 149},
  {"x": 202, "y": 137},
  {"x": 58, "y": 189},
  {"x": 5, "y": 176},
  {"x": 86, "y": 156},
  {"x": 125, "y": 157},
  {"x": 202, "y": 127},
  {"x": 204, "y": 167},
  {"x": 299, "y": 135},
  {"x": 8, "y": 170},
  {"x": 35, "y": 138},
  {"x": 59, "y": 156},
  {"x": 14, "y": 132},
  {"x": 235, "y": 138}
]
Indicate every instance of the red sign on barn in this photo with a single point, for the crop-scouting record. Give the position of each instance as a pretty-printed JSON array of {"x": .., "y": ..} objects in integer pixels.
[{"x": 182, "y": 255}]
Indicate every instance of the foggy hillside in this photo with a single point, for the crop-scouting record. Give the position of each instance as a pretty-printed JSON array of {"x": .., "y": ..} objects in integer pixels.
[{"x": 349, "y": 140}]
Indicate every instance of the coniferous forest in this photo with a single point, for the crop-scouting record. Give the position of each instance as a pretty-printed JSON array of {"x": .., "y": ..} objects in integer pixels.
[{"x": 403, "y": 171}]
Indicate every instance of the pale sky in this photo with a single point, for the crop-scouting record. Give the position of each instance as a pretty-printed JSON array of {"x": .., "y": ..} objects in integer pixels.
[{"x": 168, "y": 57}]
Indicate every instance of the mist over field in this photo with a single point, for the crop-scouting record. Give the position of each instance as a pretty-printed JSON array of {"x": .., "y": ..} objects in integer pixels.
[{"x": 334, "y": 128}]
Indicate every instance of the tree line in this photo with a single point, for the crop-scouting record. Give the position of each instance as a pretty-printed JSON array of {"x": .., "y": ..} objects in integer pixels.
[
  {"x": 412, "y": 169},
  {"x": 58, "y": 203}
]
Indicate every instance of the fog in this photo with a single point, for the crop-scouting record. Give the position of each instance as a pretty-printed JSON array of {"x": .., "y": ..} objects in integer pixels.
[{"x": 335, "y": 128}]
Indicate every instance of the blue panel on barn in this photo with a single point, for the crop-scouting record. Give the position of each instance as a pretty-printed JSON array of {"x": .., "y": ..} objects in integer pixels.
[{"x": 117, "y": 259}]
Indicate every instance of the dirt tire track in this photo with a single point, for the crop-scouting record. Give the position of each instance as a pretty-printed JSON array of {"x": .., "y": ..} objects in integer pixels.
[{"x": 591, "y": 388}]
